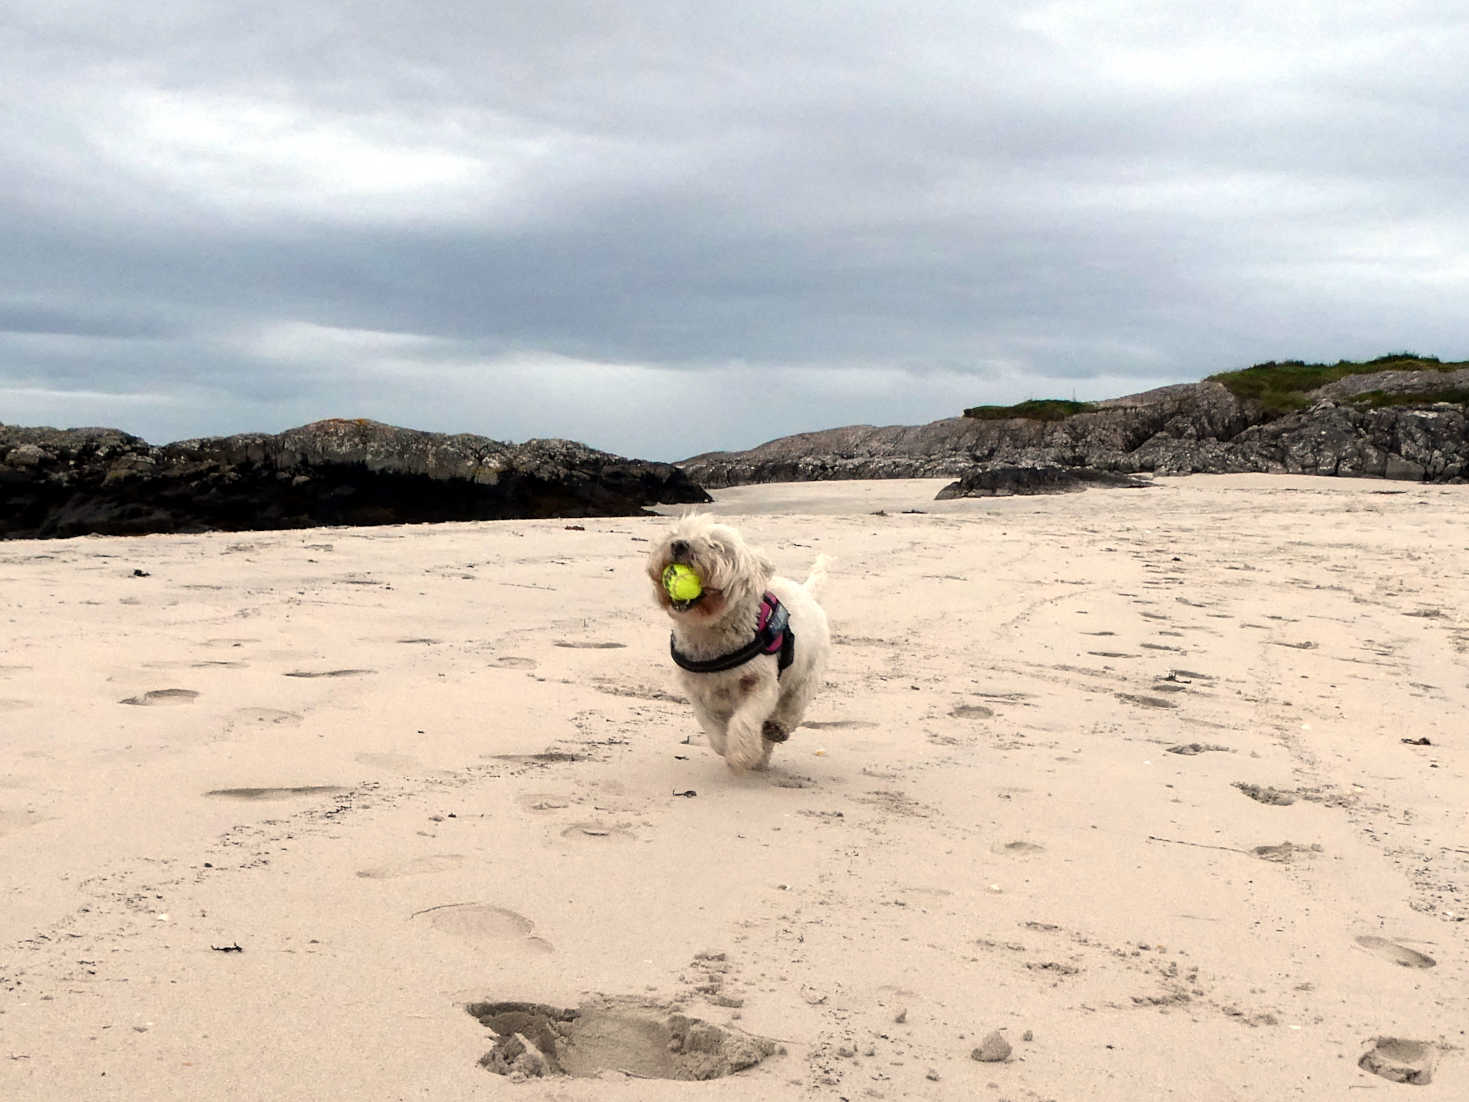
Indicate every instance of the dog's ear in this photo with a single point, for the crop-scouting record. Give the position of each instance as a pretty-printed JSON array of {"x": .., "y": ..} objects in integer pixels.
[{"x": 756, "y": 569}]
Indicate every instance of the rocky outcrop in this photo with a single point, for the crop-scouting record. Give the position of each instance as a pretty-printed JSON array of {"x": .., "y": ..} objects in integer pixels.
[
  {"x": 69, "y": 482},
  {"x": 1188, "y": 428},
  {"x": 1008, "y": 481}
]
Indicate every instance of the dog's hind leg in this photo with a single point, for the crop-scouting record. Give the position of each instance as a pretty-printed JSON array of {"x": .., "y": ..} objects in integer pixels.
[{"x": 792, "y": 708}]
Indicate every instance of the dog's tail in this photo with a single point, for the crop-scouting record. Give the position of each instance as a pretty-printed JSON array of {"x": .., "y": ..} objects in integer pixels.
[{"x": 816, "y": 579}]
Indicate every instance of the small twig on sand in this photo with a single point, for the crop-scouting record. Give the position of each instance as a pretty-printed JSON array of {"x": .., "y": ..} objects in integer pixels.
[{"x": 1197, "y": 845}]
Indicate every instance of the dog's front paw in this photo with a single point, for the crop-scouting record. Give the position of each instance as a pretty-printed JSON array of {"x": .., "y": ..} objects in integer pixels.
[
  {"x": 774, "y": 732},
  {"x": 741, "y": 757}
]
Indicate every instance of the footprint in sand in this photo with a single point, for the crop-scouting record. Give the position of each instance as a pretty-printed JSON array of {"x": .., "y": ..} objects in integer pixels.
[
  {"x": 394, "y": 763},
  {"x": 11, "y": 821},
  {"x": 546, "y": 757},
  {"x": 413, "y": 866},
  {"x": 1398, "y": 954},
  {"x": 263, "y": 717},
  {"x": 1147, "y": 701},
  {"x": 543, "y": 801},
  {"x": 1191, "y": 748},
  {"x": 836, "y": 724},
  {"x": 598, "y": 831},
  {"x": 328, "y": 673},
  {"x": 789, "y": 780},
  {"x": 1285, "y": 852},
  {"x": 971, "y": 711},
  {"x": 1018, "y": 849},
  {"x": 155, "y": 697},
  {"x": 588, "y": 646},
  {"x": 282, "y": 793},
  {"x": 484, "y": 924},
  {"x": 1400, "y": 1060},
  {"x": 513, "y": 662},
  {"x": 1263, "y": 794}
]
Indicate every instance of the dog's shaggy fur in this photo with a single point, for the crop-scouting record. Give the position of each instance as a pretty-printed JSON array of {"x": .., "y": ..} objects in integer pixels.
[{"x": 744, "y": 711}]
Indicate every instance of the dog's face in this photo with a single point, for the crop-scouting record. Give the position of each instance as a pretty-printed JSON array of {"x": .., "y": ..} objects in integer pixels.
[{"x": 733, "y": 574}]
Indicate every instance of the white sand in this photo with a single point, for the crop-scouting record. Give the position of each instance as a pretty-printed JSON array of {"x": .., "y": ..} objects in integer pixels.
[{"x": 982, "y": 830}]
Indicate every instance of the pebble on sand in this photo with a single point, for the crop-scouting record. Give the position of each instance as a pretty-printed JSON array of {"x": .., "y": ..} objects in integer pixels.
[{"x": 993, "y": 1049}]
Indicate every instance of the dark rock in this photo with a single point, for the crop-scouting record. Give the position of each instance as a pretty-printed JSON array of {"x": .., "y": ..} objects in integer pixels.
[
  {"x": 78, "y": 481},
  {"x": 1004, "y": 481}
]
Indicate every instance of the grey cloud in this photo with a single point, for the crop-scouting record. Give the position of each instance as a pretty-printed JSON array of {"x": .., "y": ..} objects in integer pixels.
[{"x": 838, "y": 206}]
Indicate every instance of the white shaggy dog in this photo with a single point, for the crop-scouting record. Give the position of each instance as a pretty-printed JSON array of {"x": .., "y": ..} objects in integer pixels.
[{"x": 751, "y": 648}]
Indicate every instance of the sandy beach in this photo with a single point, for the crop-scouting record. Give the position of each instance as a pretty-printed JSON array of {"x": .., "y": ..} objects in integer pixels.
[{"x": 1165, "y": 787}]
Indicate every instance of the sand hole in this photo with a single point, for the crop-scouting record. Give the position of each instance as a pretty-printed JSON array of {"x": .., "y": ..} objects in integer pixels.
[
  {"x": 1398, "y": 954},
  {"x": 155, "y": 697},
  {"x": 643, "y": 1040},
  {"x": 1400, "y": 1060}
]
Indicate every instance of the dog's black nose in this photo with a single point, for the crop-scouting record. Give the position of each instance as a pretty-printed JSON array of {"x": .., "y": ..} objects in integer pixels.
[{"x": 680, "y": 549}]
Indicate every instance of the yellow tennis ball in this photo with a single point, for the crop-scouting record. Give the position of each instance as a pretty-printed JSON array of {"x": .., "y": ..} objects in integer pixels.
[{"x": 681, "y": 582}]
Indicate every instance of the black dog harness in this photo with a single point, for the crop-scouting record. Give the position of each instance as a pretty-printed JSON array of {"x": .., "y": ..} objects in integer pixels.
[{"x": 773, "y": 635}]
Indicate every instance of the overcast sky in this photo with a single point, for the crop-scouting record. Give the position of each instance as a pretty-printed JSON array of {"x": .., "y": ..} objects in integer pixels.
[{"x": 663, "y": 228}]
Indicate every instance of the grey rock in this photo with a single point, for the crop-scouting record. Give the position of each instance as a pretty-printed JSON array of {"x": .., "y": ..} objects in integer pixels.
[
  {"x": 994, "y": 1049},
  {"x": 1191, "y": 428}
]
